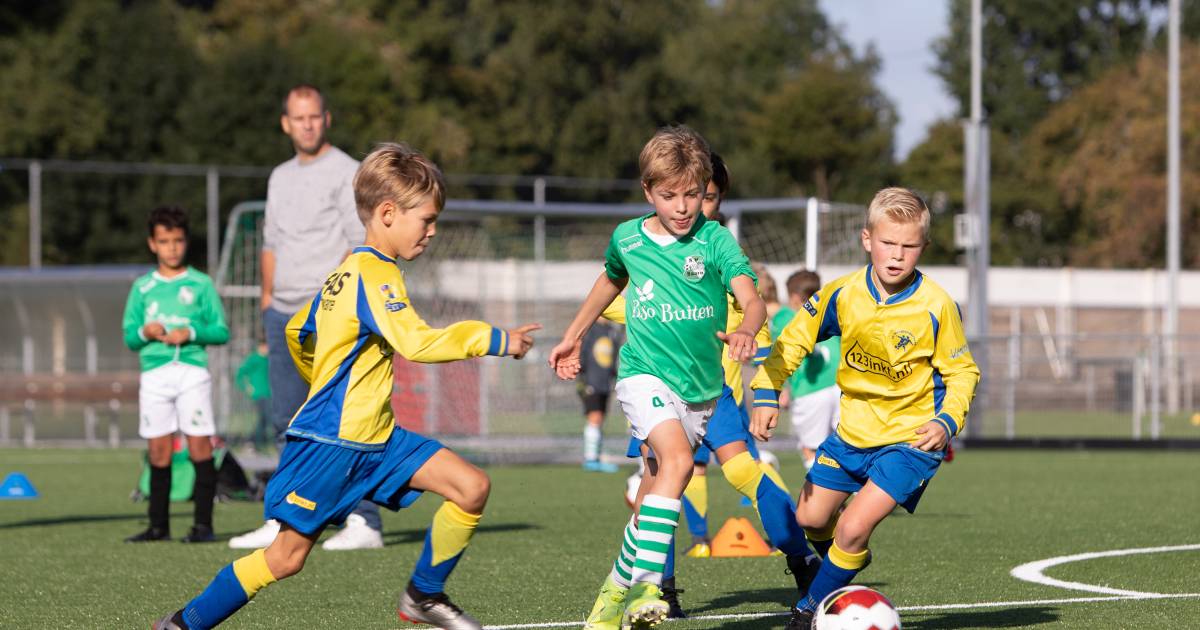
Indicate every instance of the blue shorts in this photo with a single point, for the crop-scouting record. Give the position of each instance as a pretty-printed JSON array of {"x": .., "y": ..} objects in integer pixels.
[
  {"x": 901, "y": 470},
  {"x": 318, "y": 484},
  {"x": 729, "y": 423}
]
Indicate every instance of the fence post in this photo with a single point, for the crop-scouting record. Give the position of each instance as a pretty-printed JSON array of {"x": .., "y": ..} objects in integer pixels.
[
  {"x": 1156, "y": 343},
  {"x": 35, "y": 215},
  {"x": 811, "y": 233},
  {"x": 29, "y": 437},
  {"x": 114, "y": 428},
  {"x": 213, "y": 185},
  {"x": 1139, "y": 395},
  {"x": 539, "y": 256},
  {"x": 1014, "y": 371}
]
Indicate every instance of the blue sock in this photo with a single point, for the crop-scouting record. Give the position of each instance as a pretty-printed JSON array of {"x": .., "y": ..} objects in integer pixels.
[
  {"x": 778, "y": 515},
  {"x": 445, "y": 542},
  {"x": 838, "y": 569},
  {"x": 233, "y": 586},
  {"x": 669, "y": 565},
  {"x": 223, "y": 597}
]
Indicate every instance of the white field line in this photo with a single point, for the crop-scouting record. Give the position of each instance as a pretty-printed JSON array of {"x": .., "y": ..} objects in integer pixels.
[
  {"x": 930, "y": 607},
  {"x": 1033, "y": 571},
  {"x": 1030, "y": 572}
]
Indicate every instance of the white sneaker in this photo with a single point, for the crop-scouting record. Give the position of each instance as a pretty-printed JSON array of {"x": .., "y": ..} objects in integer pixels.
[
  {"x": 258, "y": 538},
  {"x": 355, "y": 535}
]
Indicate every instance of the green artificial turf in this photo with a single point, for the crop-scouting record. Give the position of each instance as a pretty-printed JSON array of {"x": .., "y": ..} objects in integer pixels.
[{"x": 550, "y": 534}]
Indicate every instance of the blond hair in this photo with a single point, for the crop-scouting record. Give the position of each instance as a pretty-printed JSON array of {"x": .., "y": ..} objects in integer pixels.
[
  {"x": 398, "y": 173},
  {"x": 675, "y": 154},
  {"x": 900, "y": 205},
  {"x": 766, "y": 284}
]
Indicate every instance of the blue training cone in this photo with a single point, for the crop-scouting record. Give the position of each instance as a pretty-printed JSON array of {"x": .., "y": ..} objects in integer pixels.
[{"x": 17, "y": 486}]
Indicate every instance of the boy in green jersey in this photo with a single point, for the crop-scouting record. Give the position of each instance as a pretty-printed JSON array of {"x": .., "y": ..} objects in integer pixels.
[
  {"x": 813, "y": 395},
  {"x": 681, "y": 266},
  {"x": 172, "y": 313}
]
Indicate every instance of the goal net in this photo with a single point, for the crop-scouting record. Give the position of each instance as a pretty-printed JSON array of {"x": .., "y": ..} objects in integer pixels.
[{"x": 510, "y": 263}]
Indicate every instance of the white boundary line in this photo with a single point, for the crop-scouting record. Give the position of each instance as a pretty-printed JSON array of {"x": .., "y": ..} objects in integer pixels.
[
  {"x": 1032, "y": 571},
  {"x": 758, "y": 615},
  {"x": 1029, "y": 572}
]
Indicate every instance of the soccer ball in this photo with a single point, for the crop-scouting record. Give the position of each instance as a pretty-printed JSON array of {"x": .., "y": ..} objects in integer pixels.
[
  {"x": 769, "y": 458},
  {"x": 856, "y": 608}
]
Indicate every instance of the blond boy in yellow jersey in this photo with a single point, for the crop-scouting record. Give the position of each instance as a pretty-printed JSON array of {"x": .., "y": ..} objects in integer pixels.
[
  {"x": 343, "y": 445},
  {"x": 907, "y": 379}
]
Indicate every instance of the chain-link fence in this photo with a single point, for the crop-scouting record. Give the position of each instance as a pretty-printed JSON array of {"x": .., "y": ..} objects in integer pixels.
[{"x": 65, "y": 375}]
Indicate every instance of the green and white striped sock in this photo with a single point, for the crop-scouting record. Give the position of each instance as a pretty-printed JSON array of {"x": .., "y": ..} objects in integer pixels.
[
  {"x": 656, "y": 523},
  {"x": 623, "y": 567}
]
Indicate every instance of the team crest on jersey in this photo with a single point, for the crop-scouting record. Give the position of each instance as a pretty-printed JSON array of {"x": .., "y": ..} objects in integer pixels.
[
  {"x": 186, "y": 295},
  {"x": 389, "y": 299},
  {"x": 693, "y": 268},
  {"x": 864, "y": 361},
  {"x": 903, "y": 340}
]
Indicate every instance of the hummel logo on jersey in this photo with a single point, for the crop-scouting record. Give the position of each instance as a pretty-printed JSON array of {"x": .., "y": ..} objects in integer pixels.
[
  {"x": 630, "y": 243},
  {"x": 864, "y": 361},
  {"x": 645, "y": 292}
]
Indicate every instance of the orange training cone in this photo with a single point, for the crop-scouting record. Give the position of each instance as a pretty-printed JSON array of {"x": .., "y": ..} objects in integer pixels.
[{"x": 737, "y": 539}]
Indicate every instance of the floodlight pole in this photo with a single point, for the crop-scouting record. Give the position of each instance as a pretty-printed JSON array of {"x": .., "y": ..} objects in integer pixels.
[
  {"x": 976, "y": 178},
  {"x": 1171, "y": 316}
]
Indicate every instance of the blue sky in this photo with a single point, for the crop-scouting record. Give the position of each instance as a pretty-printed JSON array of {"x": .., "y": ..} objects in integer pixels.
[{"x": 903, "y": 32}]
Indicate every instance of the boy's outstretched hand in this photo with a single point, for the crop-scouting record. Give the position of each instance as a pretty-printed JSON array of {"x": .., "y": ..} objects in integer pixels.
[
  {"x": 933, "y": 436},
  {"x": 763, "y": 422},
  {"x": 742, "y": 346},
  {"x": 520, "y": 341},
  {"x": 564, "y": 359}
]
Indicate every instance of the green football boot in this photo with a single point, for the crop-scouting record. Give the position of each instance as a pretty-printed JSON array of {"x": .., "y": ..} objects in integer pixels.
[
  {"x": 606, "y": 613},
  {"x": 645, "y": 608}
]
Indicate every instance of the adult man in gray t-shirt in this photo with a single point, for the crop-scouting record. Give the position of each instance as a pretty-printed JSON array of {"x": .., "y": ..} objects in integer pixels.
[{"x": 311, "y": 223}]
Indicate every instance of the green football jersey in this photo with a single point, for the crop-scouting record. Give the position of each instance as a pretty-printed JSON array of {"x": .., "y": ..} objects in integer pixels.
[
  {"x": 188, "y": 300},
  {"x": 819, "y": 369},
  {"x": 676, "y": 303}
]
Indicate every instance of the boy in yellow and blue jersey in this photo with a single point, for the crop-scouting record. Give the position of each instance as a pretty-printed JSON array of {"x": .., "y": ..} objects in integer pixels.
[
  {"x": 342, "y": 445},
  {"x": 728, "y": 437},
  {"x": 907, "y": 379}
]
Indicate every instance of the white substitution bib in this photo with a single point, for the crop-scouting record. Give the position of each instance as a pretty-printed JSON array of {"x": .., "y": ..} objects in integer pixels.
[
  {"x": 175, "y": 397},
  {"x": 647, "y": 402}
]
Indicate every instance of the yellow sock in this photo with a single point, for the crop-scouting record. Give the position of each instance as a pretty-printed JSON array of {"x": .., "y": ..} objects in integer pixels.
[
  {"x": 252, "y": 572},
  {"x": 770, "y": 471},
  {"x": 697, "y": 492},
  {"x": 743, "y": 474},
  {"x": 846, "y": 560},
  {"x": 451, "y": 531}
]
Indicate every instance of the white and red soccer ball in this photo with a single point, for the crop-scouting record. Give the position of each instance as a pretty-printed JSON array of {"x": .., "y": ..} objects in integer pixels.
[{"x": 856, "y": 608}]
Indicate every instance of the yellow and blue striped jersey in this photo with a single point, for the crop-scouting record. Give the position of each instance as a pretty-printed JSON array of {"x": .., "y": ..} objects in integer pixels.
[
  {"x": 905, "y": 359},
  {"x": 733, "y": 370},
  {"x": 343, "y": 344}
]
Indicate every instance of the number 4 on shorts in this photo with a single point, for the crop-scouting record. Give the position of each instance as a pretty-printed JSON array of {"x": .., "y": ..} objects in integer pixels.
[{"x": 657, "y": 402}]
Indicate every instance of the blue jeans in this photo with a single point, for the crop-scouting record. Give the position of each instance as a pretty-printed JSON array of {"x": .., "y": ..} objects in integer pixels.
[{"x": 288, "y": 392}]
